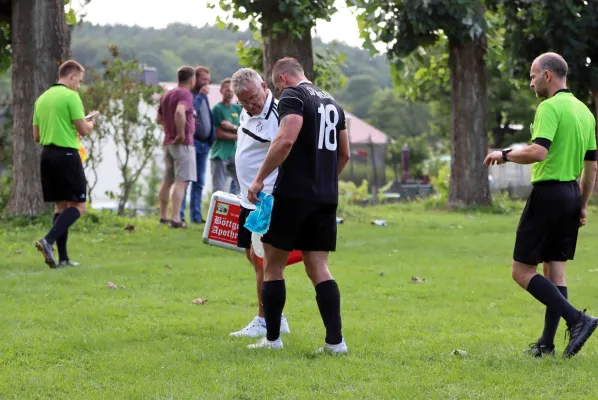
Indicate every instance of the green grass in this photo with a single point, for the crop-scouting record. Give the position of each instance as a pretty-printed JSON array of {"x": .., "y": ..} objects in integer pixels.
[{"x": 66, "y": 335}]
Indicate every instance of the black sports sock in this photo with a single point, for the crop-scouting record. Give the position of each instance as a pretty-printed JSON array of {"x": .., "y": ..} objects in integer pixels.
[
  {"x": 329, "y": 302},
  {"x": 551, "y": 321},
  {"x": 547, "y": 293},
  {"x": 61, "y": 243},
  {"x": 274, "y": 295},
  {"x": 62, "y": 224}
]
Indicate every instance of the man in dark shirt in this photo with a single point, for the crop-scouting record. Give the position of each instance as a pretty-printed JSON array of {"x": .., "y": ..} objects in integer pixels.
[
  {"x": 311, "y": 148},
  {"x": 175, "y": 114}
]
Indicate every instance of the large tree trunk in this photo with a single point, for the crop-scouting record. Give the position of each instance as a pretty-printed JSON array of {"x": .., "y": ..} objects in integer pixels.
[
  {"x": 282, "y": 44},
  {"x": 469, "y": 144},
  {"x": 595, "y": 96},
  {"x": 40, "y": 43}
]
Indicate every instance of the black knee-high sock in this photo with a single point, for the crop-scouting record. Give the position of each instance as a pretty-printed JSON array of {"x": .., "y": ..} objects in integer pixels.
[
  {"x": 62, "y": 224},
  {"x": 547, "y": 293},
  {"x": 274, "y": 295},
  {"x": 61, "y": 243},
  {"x": 551, "y": 321},
  {"x": 329, "y": 302}
]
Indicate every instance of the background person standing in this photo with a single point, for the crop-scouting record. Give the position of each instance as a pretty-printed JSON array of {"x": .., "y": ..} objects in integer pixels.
[
  {"x": 175, "y": 114},
  {"x": 222, "y": 155}
]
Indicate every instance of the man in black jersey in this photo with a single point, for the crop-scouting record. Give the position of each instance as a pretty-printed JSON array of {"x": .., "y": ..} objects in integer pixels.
[{"x": 311, "y": 149}]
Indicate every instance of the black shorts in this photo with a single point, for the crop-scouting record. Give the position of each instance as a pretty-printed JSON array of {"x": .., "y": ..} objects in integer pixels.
[
  {"x": 244, "y": 234},
  {"x": 62, "y": 175},
  {"x": 549, "y": 224},
  {"x": 299, "y": 224}
]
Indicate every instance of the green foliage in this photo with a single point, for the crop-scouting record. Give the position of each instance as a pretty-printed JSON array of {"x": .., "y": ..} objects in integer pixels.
[
  {"x": 419, "y": 152},
  {"x": 357, "y": 94},
  {"x": 351, "y": 194},
  {"x": 5, "y": 43},
  {"x": 405, "y": 25},
  {"x": 5, "y": 188},
  {"x": 563, "y": 26},
  {"x": 152, "y": 185},
  {"x": 425, "y": 76},
  {"x": 398, "y": 117},
  {"x": 124, "y": 102},
  {"x": 293, "y": 17},
  {"x": 217, "y": 49},
  {"x": 327, "y": 64}
]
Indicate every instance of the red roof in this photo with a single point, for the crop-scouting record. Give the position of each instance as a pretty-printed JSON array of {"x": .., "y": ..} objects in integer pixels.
[{"x": 360, "y": 132}]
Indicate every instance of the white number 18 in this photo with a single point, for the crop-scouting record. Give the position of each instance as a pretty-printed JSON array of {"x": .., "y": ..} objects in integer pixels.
[{"x": 328, "y": 121}]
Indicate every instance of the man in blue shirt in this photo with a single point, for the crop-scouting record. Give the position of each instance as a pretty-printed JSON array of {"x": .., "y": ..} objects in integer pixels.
[{"x": 204, "y": 136}]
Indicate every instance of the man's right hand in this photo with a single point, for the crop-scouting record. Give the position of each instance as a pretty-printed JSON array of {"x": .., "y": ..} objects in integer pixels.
[
  {"x": 583, "y": 219},
  {"x": 205, "y": 89},
  {"x": 179, "y": 139}
]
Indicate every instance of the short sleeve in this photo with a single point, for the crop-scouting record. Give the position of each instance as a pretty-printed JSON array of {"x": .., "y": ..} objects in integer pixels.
[
  {"x": 187, "y": 100},
  {"x": 291, "y": 101},
  {"x": 342, "y": 124},
  {"x": 546, "y": 122},
  {"x": 75, "y": 105},
  {"x": 592, "y": 144},
  {"x": 218, "y": 115},
  {"x": 35, "y": 116}
]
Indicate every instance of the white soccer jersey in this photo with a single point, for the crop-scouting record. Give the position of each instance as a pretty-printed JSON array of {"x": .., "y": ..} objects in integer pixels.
[{"x": 253, "y": 142}]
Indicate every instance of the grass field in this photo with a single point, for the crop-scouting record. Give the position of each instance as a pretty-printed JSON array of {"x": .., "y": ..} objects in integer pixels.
[{"x": 66, "y": 335}]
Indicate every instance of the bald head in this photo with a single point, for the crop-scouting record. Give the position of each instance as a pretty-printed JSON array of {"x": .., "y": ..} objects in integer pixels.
[
  {"x": 554, "y": 63},
  {"x": 548, "y": 75},
  {"x": 287, "y": 72}
]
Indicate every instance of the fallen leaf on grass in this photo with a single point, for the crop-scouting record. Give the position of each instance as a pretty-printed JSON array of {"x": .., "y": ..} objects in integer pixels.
[
  {"x": 168, "y": 266},
  {"x": 199, "y": 300},
  {"x": 112, "y": 285},
  {"x": 130, "y": 228},
  {"x": 418, "y": 279},
  {"x": 458, "y": 352},
  {"x": 381, "y": 273},
  {"x": 19, "y": 252}
]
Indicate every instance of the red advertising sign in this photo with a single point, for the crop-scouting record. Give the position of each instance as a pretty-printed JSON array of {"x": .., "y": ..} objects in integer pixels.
[{"x": 224, "y": 226}]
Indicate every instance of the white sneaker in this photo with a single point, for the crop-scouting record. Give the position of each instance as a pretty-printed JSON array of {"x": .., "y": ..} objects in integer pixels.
[
  {"x": 284, "y": 326},
  {"x": 255, "y": 329},
  {"x": 266, "y": 344},
  {"x": 340, "y": 348}
]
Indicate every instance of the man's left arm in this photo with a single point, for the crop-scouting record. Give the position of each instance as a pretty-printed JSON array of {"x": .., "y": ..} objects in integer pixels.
[
  {"x": 544, "y": 128},
  {"x": 289, "y": 129}
]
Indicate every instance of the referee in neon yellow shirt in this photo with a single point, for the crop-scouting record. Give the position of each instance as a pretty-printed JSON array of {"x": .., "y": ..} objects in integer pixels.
[
  {"x": 58, "y": 121},
  {"x": 563, "y": 148}
]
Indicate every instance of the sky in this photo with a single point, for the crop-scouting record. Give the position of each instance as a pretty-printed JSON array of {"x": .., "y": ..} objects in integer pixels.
[{"x": 342, "y": 27}]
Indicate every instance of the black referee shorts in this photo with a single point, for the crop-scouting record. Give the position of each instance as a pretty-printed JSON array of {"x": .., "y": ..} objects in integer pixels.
[
  {"x": 62, "y": 175},
  {"x": 244, "y": 234},
  {"x": 298, "y": 224},
  {"x": 549, "y": 224}
]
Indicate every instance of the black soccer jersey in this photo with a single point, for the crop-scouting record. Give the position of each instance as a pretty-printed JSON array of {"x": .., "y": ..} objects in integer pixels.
[{"x": 311, "y": 169}]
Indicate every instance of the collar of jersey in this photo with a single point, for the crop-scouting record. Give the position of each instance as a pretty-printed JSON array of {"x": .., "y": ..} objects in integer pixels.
[{"x": 304, "y": 81}]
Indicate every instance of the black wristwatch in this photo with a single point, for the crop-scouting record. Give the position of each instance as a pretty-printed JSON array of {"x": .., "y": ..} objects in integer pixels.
[{"x": 504, "y": 154}]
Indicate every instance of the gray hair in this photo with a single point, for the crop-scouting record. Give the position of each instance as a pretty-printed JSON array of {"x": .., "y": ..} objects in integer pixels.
[{"x": 243, "y": 77}]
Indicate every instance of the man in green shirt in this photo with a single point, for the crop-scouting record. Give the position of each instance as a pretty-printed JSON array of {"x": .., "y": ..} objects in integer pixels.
[
  {"x": 563, "y": 148},
  {"x": 222, "y": 154},
  {"x": 58, "y": 121}
]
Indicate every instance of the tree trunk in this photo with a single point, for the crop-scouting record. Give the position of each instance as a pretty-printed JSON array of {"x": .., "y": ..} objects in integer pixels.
[
  {"x": 469, "y": 144},
  {"x": 283, "y": 44},
  {"x": 40, "y": 43},
  {"x": 595, "y": 97}
]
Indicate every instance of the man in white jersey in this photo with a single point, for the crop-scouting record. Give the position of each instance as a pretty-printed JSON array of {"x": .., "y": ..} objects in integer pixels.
[{"x": 258, "y": 125}]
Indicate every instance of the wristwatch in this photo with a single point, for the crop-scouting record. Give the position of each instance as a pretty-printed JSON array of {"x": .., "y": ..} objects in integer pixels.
[{"x": 504, "y": 154}]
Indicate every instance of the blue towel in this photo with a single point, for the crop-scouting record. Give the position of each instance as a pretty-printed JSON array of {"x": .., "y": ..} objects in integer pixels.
[{"x": 258, "y": 220}]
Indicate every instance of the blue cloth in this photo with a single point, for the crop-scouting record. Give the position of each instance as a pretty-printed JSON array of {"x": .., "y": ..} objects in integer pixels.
[
  {"x": 258, "y": 220},
  {"x": 202, "y": 151},
  {"x": 198, "y": 98}
]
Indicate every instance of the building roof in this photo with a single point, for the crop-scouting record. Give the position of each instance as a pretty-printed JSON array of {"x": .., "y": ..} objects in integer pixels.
[{"x": 360, "y": 132}]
